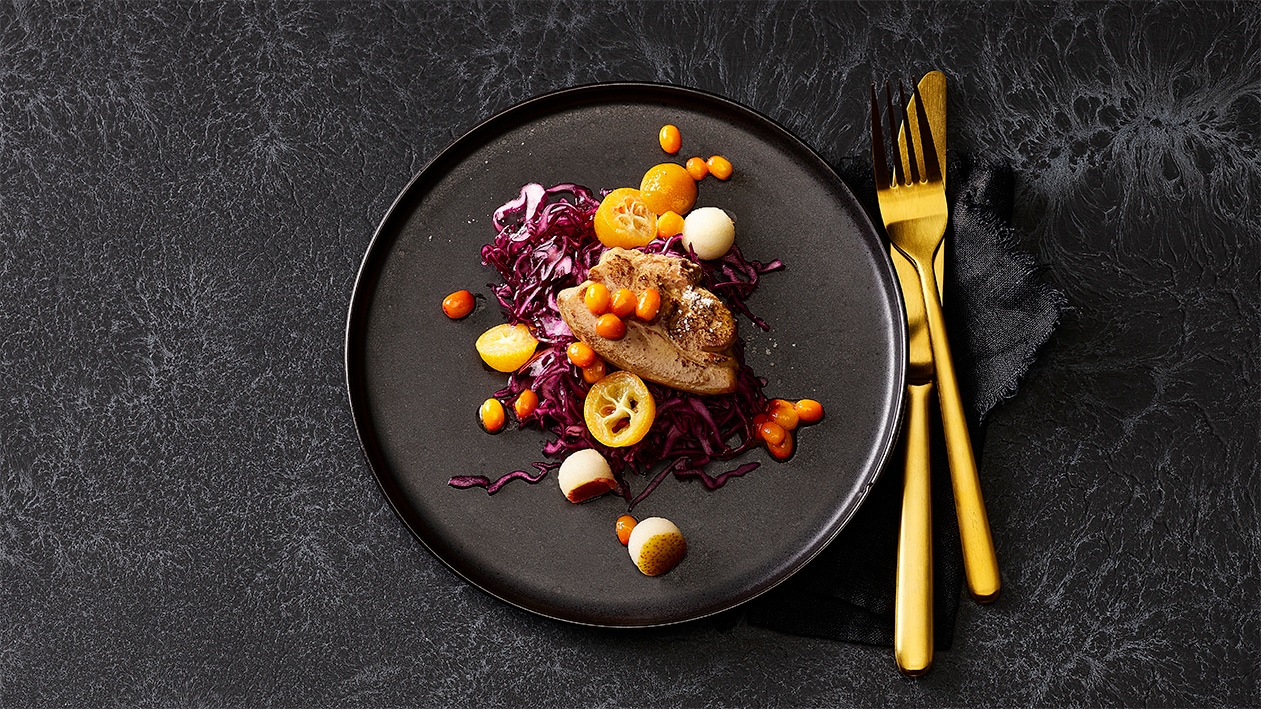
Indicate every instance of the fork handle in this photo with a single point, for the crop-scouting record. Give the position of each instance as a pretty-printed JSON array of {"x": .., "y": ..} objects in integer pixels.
[
  {"x": 980, "y": 564},
  {"x": 913, "y": 595}
]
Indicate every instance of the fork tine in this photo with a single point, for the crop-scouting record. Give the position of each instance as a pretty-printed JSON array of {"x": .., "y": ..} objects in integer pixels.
[
  {"x": 910, "y": 142},
  {"x": 931, "y": 166},
  {"x": 878, "y": 158},
  {"x": 899, "y": 174}
]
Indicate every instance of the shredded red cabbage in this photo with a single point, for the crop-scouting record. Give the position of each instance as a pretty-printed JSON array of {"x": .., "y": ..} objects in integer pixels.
[
  {"x": 464, "y": 481},
  {"x": 546, "y": 243}
]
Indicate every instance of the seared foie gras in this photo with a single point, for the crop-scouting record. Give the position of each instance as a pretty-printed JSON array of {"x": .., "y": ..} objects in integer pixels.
[{"x": 686, "y": 347}]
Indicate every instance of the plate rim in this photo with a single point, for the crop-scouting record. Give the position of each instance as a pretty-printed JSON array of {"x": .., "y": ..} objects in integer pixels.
[{"x": 377, "y": 249}]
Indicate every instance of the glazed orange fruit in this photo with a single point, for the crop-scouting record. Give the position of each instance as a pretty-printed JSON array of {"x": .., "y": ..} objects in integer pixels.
[
  {"x": 668, "y": 188},
  {"x": 491, "y": 414},
  {"x": 527, "y": 401},
  {"x": 581, "y": 354}
]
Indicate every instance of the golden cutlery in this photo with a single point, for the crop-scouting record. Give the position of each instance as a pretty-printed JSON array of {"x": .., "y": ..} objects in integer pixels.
[
  {"x": 913, "y": 208},
  {"x": 913, "y": 600}
]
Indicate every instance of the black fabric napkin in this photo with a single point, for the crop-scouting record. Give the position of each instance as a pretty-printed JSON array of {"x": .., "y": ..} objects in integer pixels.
[{"x": 999, "y": 311}]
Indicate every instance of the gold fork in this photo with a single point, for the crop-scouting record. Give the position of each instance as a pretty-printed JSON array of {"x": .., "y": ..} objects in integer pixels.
[{"x": 913, "y": 208}]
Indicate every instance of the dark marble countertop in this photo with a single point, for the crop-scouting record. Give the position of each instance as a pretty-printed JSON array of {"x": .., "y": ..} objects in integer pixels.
[{"x": 186, "y": 191}]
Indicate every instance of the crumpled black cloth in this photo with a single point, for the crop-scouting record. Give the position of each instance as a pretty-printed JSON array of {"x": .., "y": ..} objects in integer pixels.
[{"x": 999, "y": 311}]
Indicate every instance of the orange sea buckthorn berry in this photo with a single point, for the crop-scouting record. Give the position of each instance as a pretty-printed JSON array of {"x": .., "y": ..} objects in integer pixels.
[
  {"x": 492, "y": 415},
  {"x": 625, "y": 524},
  {"x": 697, "y": 168},
  {"x": 458, "y": 304},
  {"x": 580, "y": 354},
  {"x": 610, "y": 327},
  {"x": 783, "y": 413},
  {"x": 669, "y": 224},
  {"x": 757, "y": 425},
  {"x": 809, "y": 410},
  {"x": 595, "y": 372},
  {"x": 597, "y": 298},
  {"x": 719, "y": 167},
  {"x": 772, "y": 433},
  {"x": 786, "y": 417},
  {"x": 648, "y": 305},
  {"x": 783, "y": 449},
  {"x": 670, "y": 138},
  {"x": 527, "y": 401},
  {"x": 623, "y": 302}
]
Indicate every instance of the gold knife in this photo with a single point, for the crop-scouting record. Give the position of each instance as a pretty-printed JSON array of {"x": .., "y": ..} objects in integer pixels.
[
  {"x": 980, "y": 562},
  {"x": 913, "y": 600}
]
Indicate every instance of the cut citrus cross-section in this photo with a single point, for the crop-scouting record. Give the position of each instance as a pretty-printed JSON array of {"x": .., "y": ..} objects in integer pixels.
[
  {"x": 624, "y": 220},
  {"x": 619, "y": 410}
]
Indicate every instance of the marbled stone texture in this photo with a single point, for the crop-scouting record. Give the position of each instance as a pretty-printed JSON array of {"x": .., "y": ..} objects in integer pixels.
[{"x": 185, "y": 193}]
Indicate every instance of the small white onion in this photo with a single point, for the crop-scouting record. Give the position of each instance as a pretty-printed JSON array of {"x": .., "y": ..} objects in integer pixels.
[{"x": 709, "y": 231}]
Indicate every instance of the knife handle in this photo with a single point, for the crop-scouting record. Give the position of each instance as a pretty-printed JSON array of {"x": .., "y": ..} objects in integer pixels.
[
  {"x": 913, "y": 595},
  {"x": 980, "y": 564}
]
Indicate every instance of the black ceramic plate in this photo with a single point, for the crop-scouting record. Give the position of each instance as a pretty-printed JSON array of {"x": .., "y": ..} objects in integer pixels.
[{"x": 415, "y": 381}]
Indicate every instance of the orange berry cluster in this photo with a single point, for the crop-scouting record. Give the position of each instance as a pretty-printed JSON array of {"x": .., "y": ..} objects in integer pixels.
[
  {"x": 774, "y": 427},
  {"x": 582, "y": 356},
  {"x": 672, "y": 140},
  {"x": 611, "y": 309},
  {"x": 493, "y": 417}
]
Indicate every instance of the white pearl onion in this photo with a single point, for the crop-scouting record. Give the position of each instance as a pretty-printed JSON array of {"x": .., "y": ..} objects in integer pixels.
[{"x": 709, "y": 231}]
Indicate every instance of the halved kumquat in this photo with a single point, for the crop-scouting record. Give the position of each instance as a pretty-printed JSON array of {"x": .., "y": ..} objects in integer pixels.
[
  {"x": 506, "y": 347},
  {"x": 623, "y": 219},
  {"x": 619, "y": 410}
]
